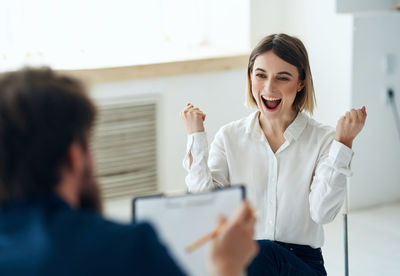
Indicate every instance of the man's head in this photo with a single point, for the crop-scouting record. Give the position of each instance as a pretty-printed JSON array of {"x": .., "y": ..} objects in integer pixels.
[{"x": 45, "y": 125}]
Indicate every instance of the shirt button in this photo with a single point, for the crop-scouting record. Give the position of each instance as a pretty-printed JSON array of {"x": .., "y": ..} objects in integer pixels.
[{"x": 270, "y": 221}]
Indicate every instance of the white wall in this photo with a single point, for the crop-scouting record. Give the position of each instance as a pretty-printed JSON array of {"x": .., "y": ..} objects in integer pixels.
[
  {"x": 364, "y": 5},
  {"x": 266, "y": 17},
  {"x": 328, "y": 38},
  {"x": 376, "y": 165}
]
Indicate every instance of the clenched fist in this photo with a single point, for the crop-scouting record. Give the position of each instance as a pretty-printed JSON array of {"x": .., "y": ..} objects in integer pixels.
[
  {"x": 350, "y": 125},
  {"x": 193, "y": 119}
]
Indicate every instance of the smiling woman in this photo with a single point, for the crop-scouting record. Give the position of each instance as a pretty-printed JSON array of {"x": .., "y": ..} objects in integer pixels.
[
  {"x": 275, "y": 84},
  {"x": 290, "y": 66},
  {"x": 74, "y": 34},
  {"x": 294, "y": 168}
]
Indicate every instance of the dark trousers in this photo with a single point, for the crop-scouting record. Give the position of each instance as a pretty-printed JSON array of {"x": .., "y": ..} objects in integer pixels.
[{"x": 278, "y": 258}]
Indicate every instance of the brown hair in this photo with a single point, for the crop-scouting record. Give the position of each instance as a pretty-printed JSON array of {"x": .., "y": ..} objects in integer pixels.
[
  {"x": 291, "y": 50},
  {"x": 41, "y": 114}
]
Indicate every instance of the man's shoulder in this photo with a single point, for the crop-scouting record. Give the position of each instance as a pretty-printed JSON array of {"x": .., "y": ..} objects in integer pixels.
[
  {"x": 96, "y": 228},
  {"x": 131, "y": 247},
  {"x": 109, "y": 247},
  {"x": 67, "y": 241}
]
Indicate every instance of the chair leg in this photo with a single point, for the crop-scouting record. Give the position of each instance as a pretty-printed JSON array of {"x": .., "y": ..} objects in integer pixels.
[{"x": 346, "y": 249}]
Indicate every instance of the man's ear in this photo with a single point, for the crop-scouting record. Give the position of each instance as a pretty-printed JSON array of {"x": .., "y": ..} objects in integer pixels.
[
  {"x": 75, "y": 158},
  {"x": 71, "y": 171}
]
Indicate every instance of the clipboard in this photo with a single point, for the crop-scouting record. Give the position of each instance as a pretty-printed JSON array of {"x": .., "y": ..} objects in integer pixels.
[{"x": 182, "y": 219}]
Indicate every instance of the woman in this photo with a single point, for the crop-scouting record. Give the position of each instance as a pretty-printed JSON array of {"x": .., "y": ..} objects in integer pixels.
[{"x": 294, "y": 168}]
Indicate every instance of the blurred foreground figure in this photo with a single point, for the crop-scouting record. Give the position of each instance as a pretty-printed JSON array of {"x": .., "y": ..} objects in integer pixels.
[{"x": 50, "y": 206}]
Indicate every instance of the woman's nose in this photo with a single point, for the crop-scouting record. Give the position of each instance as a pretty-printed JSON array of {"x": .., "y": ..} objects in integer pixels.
[{"x": 269, "y": 85}]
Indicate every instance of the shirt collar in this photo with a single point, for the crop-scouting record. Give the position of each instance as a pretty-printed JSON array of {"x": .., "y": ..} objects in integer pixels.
[
  {"x": 253, "y": 125},
  {"x": 293, "y": 131}
]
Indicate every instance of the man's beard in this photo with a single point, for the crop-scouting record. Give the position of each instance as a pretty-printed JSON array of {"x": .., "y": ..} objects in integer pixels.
[{"x": 90, "y": 195}]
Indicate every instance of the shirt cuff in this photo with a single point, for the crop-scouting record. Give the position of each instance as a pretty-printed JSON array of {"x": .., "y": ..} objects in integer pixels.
[
  {"x": 341, "y": 156},
  {"x": 196, "y": 144}
]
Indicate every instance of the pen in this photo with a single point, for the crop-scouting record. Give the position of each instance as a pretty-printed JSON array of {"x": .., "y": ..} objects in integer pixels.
[{"x": 211, "y": 235}]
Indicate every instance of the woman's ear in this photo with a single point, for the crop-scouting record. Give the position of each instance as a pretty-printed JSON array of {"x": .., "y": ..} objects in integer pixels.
[{"x": 300, "y": 85}]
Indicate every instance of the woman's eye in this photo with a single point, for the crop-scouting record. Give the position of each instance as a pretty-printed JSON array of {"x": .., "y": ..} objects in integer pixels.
[
  {"x": 261, "y": 76},
  {"x": 283, "y": 78}
]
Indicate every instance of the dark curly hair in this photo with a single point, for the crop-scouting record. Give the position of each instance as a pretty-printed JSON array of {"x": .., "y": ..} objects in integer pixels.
[{"x": 41, "y": 114}]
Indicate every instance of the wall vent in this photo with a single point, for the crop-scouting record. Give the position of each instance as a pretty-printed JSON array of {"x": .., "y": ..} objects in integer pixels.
[{"x": 125, "y": 147}]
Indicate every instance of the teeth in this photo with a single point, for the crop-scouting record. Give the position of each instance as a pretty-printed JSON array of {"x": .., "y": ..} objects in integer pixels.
[{"x": 271, "y": 99}]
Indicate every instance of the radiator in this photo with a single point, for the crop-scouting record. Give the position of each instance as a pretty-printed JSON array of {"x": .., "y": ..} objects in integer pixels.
[{"x": 125, "y": 147}]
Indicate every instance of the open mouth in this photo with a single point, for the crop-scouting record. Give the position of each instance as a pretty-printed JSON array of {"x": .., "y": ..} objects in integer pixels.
[{"x": 271, "y": 103}]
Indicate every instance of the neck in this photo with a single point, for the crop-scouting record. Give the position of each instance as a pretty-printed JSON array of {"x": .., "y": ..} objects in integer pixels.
[
  {"x": 276, "y": 126},
  {"x": 67, "y": 191}
]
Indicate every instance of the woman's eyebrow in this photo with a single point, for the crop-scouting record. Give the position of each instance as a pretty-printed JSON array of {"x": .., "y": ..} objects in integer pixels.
[
  {"x": 285, "y": 73},
  {"x": 279, "y": 73}
]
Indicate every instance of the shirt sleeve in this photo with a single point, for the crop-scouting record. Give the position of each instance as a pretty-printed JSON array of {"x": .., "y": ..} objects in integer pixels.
[
  {"x": 205, "y": 172},
  {"x": 328, "y": 188}
]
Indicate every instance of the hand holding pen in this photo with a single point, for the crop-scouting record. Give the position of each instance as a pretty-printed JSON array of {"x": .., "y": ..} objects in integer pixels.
[{"x": 233, "y": 247}]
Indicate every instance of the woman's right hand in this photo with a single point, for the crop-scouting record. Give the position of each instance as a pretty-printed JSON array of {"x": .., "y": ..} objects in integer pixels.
[{"x": 193, "y": 119}]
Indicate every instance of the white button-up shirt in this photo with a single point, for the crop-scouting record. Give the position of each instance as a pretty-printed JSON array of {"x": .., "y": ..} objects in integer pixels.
[{"x": 294, "y": 191}]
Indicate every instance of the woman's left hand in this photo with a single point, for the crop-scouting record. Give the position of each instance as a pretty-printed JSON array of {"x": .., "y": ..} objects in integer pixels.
[{"x": 350, "y": 125}]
